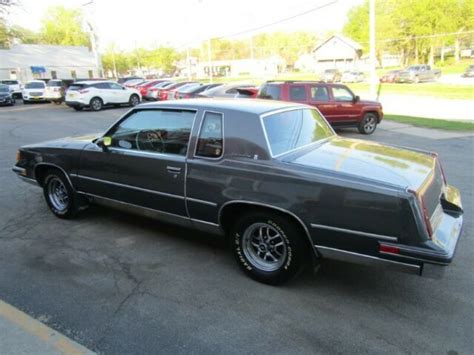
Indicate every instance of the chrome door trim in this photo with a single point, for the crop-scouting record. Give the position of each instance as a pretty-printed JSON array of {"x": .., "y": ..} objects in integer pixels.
[
  {"x": 348, "y": 256},
  {"x": 128, "y": 186},
  {"x": 204, "y": 202},
  {"x": 352, "y": 231}
]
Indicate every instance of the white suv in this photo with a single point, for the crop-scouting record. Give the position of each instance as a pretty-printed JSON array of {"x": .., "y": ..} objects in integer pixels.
[
  {"x": 34, "y": 91},
  {"x": 97, "y": 94},
  {"x": 14, "y": 85}
]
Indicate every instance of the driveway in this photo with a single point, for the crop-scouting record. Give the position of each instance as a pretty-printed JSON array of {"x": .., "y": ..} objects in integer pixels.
[{"x": 121, "y": 284}]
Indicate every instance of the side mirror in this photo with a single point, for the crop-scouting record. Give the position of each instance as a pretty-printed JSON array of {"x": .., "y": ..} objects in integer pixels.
[
  {"x": 356, "y": 98},
  {"x": 104, "y": 142}
]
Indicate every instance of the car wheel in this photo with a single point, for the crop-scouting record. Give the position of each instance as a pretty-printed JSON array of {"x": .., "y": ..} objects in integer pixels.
[
  {"x": 134, "y": 100},
  {"x": 57, "y": 102},
  {"x": 59, "y": 195},
  {"x": 78, "y": 108},
  {"x": 268, "y": 247},
  {"x": 96, "y": 104},
  {"x": 368, "y": 123}
]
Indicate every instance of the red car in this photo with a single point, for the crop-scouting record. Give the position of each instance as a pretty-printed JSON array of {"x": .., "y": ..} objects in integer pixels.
[
  {"x": 163, "y": 93},
  {"x": 143, "y": 87},
  {"x": 336, "y": 102}
]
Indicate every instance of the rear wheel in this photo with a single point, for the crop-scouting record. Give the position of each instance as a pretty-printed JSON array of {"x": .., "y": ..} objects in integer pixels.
[
  {"x": 268, "y": 247},
  {"x": 59, "y": 195},
  {"x": 96, "y": 104},
  {"x": 368, "y": 123},
  {"x": 134, "y": 100}
]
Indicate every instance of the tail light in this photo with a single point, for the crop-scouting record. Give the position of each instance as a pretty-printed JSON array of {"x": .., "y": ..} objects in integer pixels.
[
  {"x": 176, "y": 95},
  {"x": 424, "y": 212},
  {"x": 18, "y": 156},
  {"x": 187, "y": 96},
  {"x": 389, "y": 249},
  {"x": 84, "y": 91}
]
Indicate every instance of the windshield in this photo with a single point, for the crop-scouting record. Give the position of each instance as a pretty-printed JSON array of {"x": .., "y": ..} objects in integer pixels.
[
  {"x": 35, "y": 85},
  {"x": 290, "y": 130},
  {"x": 54, "y": 83},
  {"x": 9, "y": 82},
  {"x": 4, "y": 88}
]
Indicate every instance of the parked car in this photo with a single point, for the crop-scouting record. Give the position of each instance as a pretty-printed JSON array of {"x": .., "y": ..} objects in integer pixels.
[
  {"x": 229, "y": 90},
  {"x": 277, "y": 181},
  {"x": 191, "y": 91},
  {"x": 34, "y": 91},
  {"x": 133, "y": 83},
  {"x": 352, "y": 76},
  {"x": 127, "y": 78},
  {"x": 339, "y": 105},
  {"x": 153, "y": 92},
  {"x": 418, "y": 73},
  {"x": 6, "y": 96},
  {"x": 332, "y": 76},
  {"x": 143, "y": 87},
  {"x": 390, "y": 76},
  {"x": 164, "y": 91},
  {"x": 56, "y": 90},
  {"x": 469, "y": 73},
  {"x": 15, "y": 87},
  {"x": 97, "y": 94}
]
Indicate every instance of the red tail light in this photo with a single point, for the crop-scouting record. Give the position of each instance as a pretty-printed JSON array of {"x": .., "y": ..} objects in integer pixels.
[
  {"x": 176, "y": 95},
  {"x": 187, "y": 96},
  {"x": 389, "y": 249}
]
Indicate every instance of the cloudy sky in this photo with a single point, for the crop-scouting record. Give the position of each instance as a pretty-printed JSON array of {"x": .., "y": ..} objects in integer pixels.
[{"x": 150, "y": 23}]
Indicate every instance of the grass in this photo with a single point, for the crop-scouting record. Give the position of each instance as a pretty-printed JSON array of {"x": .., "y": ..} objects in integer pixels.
[{"x": 432, "y": 123}]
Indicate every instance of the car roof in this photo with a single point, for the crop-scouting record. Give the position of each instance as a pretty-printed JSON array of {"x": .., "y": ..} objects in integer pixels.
[
  {"x": 36, "y": 81},
  {"x": 90, "y": 82},
  {"x": 254, "y": 106}
]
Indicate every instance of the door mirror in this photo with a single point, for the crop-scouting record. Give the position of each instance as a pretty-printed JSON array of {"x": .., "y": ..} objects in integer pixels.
[
  {"x": 104, "y": 142},
  {"x": 356, "y": 98}
]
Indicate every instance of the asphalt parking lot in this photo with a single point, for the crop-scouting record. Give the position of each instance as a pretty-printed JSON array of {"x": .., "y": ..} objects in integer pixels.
[{"x": 120, "y": 284}]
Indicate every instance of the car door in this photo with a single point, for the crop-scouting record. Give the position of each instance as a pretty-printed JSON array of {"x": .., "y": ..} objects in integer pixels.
[
  {"x": 346, "y": 109},
  {"x": 319, "y": 97},
  {"x": 145, "y": 163},
  {"x": 119, "y": 93}
]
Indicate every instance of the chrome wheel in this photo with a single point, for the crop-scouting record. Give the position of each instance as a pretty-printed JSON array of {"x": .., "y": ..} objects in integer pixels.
[
  {"x": 96, "y": 104},
  {"x": 369, "y": 124},
  {"x": 264, "y": 247},
  {"x": 57, "y": 194}
]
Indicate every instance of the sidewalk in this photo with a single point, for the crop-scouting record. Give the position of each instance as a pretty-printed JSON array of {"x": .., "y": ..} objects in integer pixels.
[{"x": 20, "y": 334}]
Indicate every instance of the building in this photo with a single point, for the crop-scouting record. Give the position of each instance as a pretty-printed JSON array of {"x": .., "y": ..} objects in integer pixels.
[
  {"x": 337, "y": 52},
  {"x": 35, "y": 61}
]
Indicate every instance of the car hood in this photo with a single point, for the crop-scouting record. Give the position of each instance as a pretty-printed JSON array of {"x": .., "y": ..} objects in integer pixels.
[
  {"x": 4, "y": 94},
  {"x": 66, "y": 142},
  {"x": 370, "y": 103},
  {"x": 369, "y": 161}
]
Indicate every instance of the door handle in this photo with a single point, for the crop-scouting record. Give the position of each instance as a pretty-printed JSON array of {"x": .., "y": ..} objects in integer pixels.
[{"x": 173, "y": 169}]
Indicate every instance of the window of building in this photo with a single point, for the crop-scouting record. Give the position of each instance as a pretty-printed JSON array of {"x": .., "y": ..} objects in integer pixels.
[
  {"x": 91, "y": 74},
  {"x": 211, "y": 139},
  {"x": 73, "y": 74},
  {"x": 54, "y": 75}
]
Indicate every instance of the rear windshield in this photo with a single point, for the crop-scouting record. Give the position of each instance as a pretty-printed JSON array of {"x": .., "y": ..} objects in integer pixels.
[
  {"x": 290, "y": 130},
  {"x": 9, "y": 82},
  {"x": 75, "y": 87},
  {"x": 54, "y": 83},
  {"x": 36, "y": 85},
  {"x": 272, "y": 92}
]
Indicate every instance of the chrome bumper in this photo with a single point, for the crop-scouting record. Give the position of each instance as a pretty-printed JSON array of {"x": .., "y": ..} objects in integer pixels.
[{"x": 20, "y": 172}]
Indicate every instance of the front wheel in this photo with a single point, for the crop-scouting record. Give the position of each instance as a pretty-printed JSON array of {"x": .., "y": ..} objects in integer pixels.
[
  {"x": 134, "y": 100},
  {"x": 368, "y": 124},
  {"x": 59, "y": 195},
  {"x": 96, "y": 104},
  {"x": 268, "y": 247}
]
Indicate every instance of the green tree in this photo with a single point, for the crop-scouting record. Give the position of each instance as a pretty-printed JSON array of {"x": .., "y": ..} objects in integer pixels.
[{"x": 63, "y": 26}]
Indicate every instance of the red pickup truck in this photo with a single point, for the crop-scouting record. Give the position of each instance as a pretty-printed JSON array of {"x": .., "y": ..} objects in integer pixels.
[{"x": 336, "y": 102}]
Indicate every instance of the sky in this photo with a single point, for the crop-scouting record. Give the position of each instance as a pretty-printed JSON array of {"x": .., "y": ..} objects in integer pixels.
[{"x": 181, "y": 23}]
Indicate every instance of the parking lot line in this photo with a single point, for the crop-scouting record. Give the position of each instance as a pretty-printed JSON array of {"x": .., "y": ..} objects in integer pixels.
[{"x": 24, "y": 334}]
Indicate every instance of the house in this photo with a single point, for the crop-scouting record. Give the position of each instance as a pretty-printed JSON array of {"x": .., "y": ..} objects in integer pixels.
[
  {"x": 35, "y": 61},
  {"x": 338, "y": 52}
]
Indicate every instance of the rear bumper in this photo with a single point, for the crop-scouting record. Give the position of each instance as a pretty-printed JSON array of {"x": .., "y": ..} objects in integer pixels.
[{"x": 75, "y": 104}]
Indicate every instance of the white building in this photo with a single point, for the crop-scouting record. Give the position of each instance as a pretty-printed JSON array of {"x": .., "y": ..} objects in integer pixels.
[
  {"x": 33, "y": 61},
  {"x": 337, "y": 52}
]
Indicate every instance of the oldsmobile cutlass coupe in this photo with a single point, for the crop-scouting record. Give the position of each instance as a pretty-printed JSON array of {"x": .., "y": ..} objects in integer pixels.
[{"x": 272, "y": 176}]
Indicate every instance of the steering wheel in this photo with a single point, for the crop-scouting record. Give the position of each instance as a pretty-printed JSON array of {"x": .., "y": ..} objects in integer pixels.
[{"x": 150, "y": 139}]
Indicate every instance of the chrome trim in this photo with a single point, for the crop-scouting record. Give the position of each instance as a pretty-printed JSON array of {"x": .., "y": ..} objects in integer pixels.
[
  {"x": 146, "y": 153},
  {"x": 352, "y": 231},
  {"x": 262, "y": 116},
  {"x": 199, "y": 133},
  {"x": 29, "y": 180},
  {"x": 58, "y": 167},
  {"x": 130, "y": 186},
  {"x": 414, "y": 258},
  {"x": 201, "y": 201},
  {"x": 348, "y": 256},
  {"x": 272, "y": 207}
]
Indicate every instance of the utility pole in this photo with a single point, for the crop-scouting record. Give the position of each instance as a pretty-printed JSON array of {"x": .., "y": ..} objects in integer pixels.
[
  {"x": 209, "y": 59},
  {"x": 373, "y": 75},
  {"x": 93, "y": 37}
]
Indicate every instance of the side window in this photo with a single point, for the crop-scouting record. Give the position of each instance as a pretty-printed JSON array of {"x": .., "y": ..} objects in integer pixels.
[
  {"x": 114, "y": 86},
  {"x": 157, "y": 131},
  {"x": 210, "y": 140},
  {"x": 319, "y": 93},
  {"x": 101, "y": 86},
  {"x": 272, "y": 92},
  {"x": 341, "y": 94},
  {"x": 297, "y": 93}
]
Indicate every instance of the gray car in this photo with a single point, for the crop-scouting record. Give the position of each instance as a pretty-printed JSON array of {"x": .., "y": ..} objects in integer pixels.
[{"x": 271, "y": 176}]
